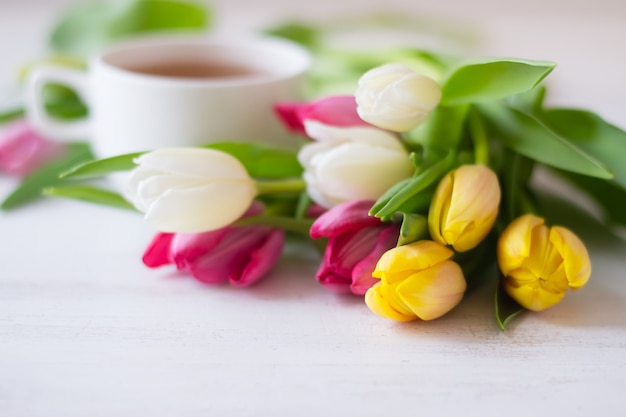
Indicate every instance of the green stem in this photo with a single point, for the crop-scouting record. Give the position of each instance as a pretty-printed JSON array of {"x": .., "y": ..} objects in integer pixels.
[
  {"x": 479, "y": 137},
  {"x": 289, "y": 185}
]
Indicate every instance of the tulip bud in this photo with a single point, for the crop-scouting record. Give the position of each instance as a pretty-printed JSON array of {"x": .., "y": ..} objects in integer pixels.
[
  {"x": 417, "y": 281},
  {"x": 333, "y": 110},
  {"x": 240, "y": 255},
  {"x": 356, "y": 241},
  {"x": 395, "y": 97},
  {"x": 22, "y": 150},
  {"x": 540, "y": 263},
  {"x": 464, "y": 207},
  {"x": 351, "y": 163},
  {"x": 190, "y": 190}
]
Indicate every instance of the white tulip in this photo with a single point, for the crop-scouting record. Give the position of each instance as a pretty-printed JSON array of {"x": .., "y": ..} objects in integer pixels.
[
  {"x": 190, "y": 190},
  {"x": 395, "y": 97},
  {"x": 351, "y": 163}
]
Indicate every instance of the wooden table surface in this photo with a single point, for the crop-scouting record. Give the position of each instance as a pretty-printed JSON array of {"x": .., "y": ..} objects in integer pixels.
[{"x": 87, "y": 330}]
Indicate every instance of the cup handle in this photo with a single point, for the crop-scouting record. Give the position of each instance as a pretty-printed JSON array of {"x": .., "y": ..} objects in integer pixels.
[{"x": 35, "y": 110}]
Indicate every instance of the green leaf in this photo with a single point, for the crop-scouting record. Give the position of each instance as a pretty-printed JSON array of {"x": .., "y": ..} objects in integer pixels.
[
  {"x": 262, "y": 161},
  {"x": 62, "y": 102},
  {"x": 531, "y": 101},
  {"x": 611, "y": 197},
  {"x": 441, "y": 133},
  {"x": 47, "y": 175},
  {"x": 506, "y": 309},
  {"x": 157, "y": 15},
  {"x": 304, "y": 202},
  {"x": 304, "y": 34},
  {"x": 489, "y": 79},
  {"x": 530, "y": 137},
  {"x": 101, "y": 167},
  {"x": 11, "y": 114},
  {"x": 412, "y": 188},
  {"x": 91, "y": 26},
  {"x": 592, "y": 134},
  {"x": 90, "y": 194},
  {"x": 515, "y": 177},
  {"x": 387, "y": 195},
  {"x": 414, "y": 227}
]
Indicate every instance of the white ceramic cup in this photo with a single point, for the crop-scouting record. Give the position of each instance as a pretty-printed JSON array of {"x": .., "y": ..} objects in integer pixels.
[{"x": 131, "y": 110}]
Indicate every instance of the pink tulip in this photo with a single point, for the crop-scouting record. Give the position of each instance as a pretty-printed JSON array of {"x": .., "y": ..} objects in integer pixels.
[
  {"x": 240, "y": 255},
  {"x": 356, "y": 241},
  {"x": 333, "y": 111},
  {"x": 22, "y": 150}
]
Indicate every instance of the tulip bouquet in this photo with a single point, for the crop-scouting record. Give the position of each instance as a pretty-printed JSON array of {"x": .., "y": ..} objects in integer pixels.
[{"x": 414, "y": 186}]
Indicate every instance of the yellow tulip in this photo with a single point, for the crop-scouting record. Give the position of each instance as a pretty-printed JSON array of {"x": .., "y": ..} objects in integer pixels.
[
  {"x": 418, "y": 280},
  {"x": 464, "y": 207},
  {"x": 540, "y": 263}
]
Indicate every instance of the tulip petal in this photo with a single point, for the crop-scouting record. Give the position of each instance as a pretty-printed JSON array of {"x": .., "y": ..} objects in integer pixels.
[
  {"x": 575, "y": 256},
  {"x": 315, "y": 190},
  {"x": 261, "y": 259},
  {"x": 187, "y": 247},
  {"x": 344, "y": 217},
  {"x": 335, "y": 111},
  {"x": 331, "y": 280},
  {"x": 439, "y": 206},
  {"x": 432, "y": 292},
  {"x": 514, "y": 244},
  {"x": 148, "y": 185},
  {"x": 362, "y": 278},
  {"x": 534, "y": 298},
  {"x": 473, "y": 207},
  {"x": 395, "y": 97},
  {"x": 464, "y": 207},
  {"x": 158, "y": 251},
  {"x": 364, "y": 135},
  {"x": 22, "y": 150},
  {"x": 205, "y": 208},
  {"x": 229, "y": 257},
  {"x": 194, "y": 162},
  {"x": 342, "y": 253},
  {"x": 346, "y": 172},
  {"x": 310, "y": 154},
  {"x": 380, "y": 300},
  {"x": 401, "y": 262}
]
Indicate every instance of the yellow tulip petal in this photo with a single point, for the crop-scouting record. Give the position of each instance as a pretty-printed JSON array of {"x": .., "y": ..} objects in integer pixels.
[
  {"x": 541, "y": 253},
  {"x": 533, "y": 298},
  {"x": 439, "y": 208},
  {"x": 464, "y": 207},
  {"x": 514, "y": 244},
  {"x": 399, "y": 263},
  {"x": 433, "y": 292},
  {"x": 576, "y": 259},
  {"x": 379, "y": 299},
  {"x": 473, "y": 208}
]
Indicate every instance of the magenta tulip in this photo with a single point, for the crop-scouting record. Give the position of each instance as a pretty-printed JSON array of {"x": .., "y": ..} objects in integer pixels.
[
  {"x": 239, "y": 255},
  {"x": 22, "y": 150},
  {"x": 334, "y": 111},
  {"x": 356, "y": 241}
]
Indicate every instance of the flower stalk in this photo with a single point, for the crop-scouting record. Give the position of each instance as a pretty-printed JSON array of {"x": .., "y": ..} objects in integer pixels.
[{"x": 289, "y": 185}]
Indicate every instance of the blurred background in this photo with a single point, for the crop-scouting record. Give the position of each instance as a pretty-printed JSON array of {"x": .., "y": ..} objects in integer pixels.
[{"x": 584, "y": 37}]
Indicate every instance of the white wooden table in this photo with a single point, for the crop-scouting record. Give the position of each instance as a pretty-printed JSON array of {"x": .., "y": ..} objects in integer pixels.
[{"x": 87, "y": 330}]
